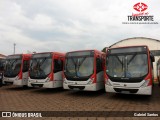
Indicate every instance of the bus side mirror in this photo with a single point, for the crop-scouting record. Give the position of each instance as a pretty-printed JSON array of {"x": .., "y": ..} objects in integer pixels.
[{"x": 152, "y": 58}]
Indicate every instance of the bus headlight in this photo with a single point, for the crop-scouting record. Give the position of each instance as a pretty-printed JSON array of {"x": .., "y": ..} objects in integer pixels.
[
  {"x": 90, "y": 81},
  {"x": 17, "y": 78},
  {"x": 47, "y": 80},
  {"x": 145, "y": 84},
  {"x": 108, "y": 83},
  {"x": 65, "y": 81}
]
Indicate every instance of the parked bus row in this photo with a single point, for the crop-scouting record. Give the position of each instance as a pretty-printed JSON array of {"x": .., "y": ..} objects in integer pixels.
[{"x": 119, "y": 70}]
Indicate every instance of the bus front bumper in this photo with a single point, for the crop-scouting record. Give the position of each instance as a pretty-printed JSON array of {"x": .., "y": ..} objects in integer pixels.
[
  {"x": 90, "y": 87},
  {"x": 42, "y": 83},
  {"x": 141, "y": 90},
  {"x": 8, "y": 80}
]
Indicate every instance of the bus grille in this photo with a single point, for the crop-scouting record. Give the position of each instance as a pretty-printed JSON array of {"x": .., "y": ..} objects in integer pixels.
[
  {"x": 37, "y": 85},
  {"x": 129, "y": 90},
  {"x": 79, "y": 87}
]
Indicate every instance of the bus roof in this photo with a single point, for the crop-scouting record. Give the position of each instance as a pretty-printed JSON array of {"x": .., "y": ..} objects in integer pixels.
[
  {"x": 24, "y": 56},
  {"x": 130, "y": 49},
  {"x": 20, "y": 54},
  {"x": 59, "y": 53},
  {"x": 128, "y": 46},
  {"x": 97, "y": 51}
]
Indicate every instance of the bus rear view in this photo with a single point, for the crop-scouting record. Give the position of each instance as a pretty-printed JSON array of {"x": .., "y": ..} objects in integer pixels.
[
  {"x": 84, "y": 70},
  {"x": 129, "y": 70}
]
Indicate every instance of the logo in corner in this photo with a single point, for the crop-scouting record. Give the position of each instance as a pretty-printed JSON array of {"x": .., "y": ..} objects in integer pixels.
[
  {"x": 140, "y": 7},
  {"x": 140, "y": 15}
]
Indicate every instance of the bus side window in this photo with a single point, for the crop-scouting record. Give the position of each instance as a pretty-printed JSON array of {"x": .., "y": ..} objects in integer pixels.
[
  {"x": 98, "y": 65},
  {"x": 25, "y": 65},
  {"x": 58, "y": 65}
]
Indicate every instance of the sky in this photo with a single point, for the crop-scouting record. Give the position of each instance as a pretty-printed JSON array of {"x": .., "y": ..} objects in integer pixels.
[{"x": 69, "y": 25}]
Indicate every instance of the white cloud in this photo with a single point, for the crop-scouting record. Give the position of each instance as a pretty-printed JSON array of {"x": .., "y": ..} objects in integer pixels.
[
  {"x": 65, "y": 25},
  {"x": 41, "y": 22}
]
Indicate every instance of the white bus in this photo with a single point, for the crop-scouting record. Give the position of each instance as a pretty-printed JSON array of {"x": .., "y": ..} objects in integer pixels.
[
  {"x": 16, "y": 69},
  {"x": 129, "y": 70},
  {"x": 46, "y": 70},
  {"x": 84, "y": 70}
]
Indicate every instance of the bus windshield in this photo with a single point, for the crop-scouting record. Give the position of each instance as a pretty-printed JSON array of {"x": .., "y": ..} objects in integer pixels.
[
  {"x": 127, "y": 63},
  {"x": 79, "y": 66},
  {"x": 40, "y": 67},
  {"x": 2, "y": 64},
  {"x": 128, "y": 66},
  {"x": 12, "y": 67}
]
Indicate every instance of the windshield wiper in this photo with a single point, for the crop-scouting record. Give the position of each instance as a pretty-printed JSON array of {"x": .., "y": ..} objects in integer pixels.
[
  {"x": 80, "y": 63},
  {"x": 41, "y": 72},
  {"x": 38, "y": 71},
  {"x": 75, "y": 64},
  {"x": 32, "y": 61},
  {"x": 121, "y": 62},
  {"x": 10, "y": 65},
  {"x": 12, "y": 62},
  {"x": 131, "y": 58},
  {"x": 68, "y": 68},
  {"x": 43, "y": 61}
]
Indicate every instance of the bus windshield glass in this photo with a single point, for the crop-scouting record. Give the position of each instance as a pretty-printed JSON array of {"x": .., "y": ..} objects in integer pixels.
[
  {"x": 79, "y": 64},
  {"x": 2, "y": 64},
  {"x": 127, "y": 65},
  {"x": 40, "y": 66},
  {"x": 12, "y": 66}
]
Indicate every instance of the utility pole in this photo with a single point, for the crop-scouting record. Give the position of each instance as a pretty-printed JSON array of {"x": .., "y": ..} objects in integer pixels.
[{"x": 14, "y": 45}]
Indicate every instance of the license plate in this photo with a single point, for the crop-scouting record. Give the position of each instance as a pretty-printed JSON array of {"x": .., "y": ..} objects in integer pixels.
[
  {"x": 125, "y": 92},
  {"x": 75, "y": 88}
]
